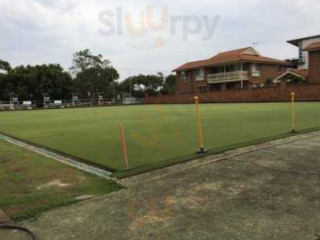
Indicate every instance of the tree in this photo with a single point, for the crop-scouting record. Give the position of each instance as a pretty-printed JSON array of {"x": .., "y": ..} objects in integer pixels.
[
  {"x": 29, "y": 82},
  {"x": 5, "y": 65},
  {"x": 169, "y": 84},
  {"x": 94, "y": 74},
  {"x": 141, "y": 84},
  {"x": 4, "y": 68}
]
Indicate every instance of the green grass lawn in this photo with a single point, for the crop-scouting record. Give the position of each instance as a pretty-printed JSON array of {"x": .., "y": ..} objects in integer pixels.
[
  {"x": 153, "y": 132},
  {"x": 31, "y": 184}
]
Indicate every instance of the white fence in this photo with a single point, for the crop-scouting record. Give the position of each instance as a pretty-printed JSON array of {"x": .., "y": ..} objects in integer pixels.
[
  {"x": 228, "y": 77},
  {"x": 28, "y": 105}
]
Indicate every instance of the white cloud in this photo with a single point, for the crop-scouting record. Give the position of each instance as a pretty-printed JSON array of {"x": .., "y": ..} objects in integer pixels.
[{"x": 43, "y": 31}]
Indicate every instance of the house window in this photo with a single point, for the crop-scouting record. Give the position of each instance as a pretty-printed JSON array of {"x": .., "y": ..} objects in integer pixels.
[
  {"x": 199, "y": 74},
  {"x": 184, "y": 76},
  {"x": 256, "y": 70}
]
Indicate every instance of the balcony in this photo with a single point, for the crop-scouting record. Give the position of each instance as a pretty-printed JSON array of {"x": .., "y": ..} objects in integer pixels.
[{"x": 235, "y": 76}]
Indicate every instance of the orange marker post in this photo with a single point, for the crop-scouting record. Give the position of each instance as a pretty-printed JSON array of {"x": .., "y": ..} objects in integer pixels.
[{"x": 123, "y": 146}]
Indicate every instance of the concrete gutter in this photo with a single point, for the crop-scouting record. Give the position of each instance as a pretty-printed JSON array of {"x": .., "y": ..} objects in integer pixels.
[{"x": 55, "y": 156}]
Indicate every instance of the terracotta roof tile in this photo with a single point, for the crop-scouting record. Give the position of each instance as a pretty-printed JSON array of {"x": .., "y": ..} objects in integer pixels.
[{"x": 237, "y": 55}]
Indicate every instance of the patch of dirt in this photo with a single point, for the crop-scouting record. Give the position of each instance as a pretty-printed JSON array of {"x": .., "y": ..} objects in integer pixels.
[
  {"x": 3, "y": 217},
  {"x": 208, "y": 186},
  {"x": 54, "y": 183},
  {"x": 4, "y": 160},
  {"x": 170, "y": 200},
  {"x": 149, "y": 213},
  {"x": 194, "y": 202},
  {"x": 149, "y": 218}
]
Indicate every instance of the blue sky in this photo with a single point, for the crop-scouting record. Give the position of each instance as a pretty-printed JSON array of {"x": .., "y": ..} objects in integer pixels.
[{"x": 50, "y": 31}]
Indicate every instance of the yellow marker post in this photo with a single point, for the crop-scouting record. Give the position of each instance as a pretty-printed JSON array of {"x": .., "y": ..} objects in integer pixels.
[
  {"x": 200, "y": 129},
  {"x": 123, "y": 146},
  {"x": 293, "y": 113}
]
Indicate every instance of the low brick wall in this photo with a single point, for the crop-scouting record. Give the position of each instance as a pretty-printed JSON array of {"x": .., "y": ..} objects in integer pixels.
[{"x": 305, "y": 92}]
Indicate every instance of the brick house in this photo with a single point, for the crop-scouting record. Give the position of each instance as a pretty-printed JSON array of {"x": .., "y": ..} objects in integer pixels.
[
  {"x": 314, "y": 61},
  {"x": 302, "y": 43},
  {"x": 309, "y": 60},
  {"x": 238, "y": 69}
]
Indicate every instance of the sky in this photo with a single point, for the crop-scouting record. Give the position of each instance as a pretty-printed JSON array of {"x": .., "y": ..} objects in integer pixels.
[{"x": 148, "y": 36}]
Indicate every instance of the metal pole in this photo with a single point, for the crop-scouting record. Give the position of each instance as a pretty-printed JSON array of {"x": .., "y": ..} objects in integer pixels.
[
  {"x": 114, "y": 91},
  {"x": 123, "y": 146},
  {"x": 130, "y": 80},
  {"x": 44, "y": 100},
  {"x": 293, "y": 113},
  {"x": 200, "y": 129}
]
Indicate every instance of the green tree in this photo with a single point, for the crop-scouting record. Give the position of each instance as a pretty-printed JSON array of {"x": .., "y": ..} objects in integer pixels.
[
  {"x": 142, "y": 84},
  {"x": 169, "y": 84},
  {"x": 29, "y": 82},
  {"x": 5, "y": 65},
  {"x": 94, "y": 74}
]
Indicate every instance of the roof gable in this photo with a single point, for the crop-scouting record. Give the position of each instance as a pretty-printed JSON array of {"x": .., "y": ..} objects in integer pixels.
[
  {"x": 250, "y": 51},
  {"x": 302, "y": 73}
]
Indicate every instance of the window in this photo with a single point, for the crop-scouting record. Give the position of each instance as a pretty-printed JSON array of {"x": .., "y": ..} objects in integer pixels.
[
  {"x": 184, "y": 76},
  {"x": 199, "y": 74},
  {"x": 256, "y": 70}
]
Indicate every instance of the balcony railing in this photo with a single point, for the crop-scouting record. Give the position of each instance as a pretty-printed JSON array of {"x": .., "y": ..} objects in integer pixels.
[{"x": 228, "y": 77}]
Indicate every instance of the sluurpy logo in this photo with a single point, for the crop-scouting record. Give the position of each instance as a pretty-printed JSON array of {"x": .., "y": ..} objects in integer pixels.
[{"x": 151, "y": 27}]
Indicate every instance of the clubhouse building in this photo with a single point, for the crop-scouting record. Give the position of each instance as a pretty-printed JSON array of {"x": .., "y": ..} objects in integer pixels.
[
  {"x": 237, "y": 69},
  {"x": 245, "y": 68}
]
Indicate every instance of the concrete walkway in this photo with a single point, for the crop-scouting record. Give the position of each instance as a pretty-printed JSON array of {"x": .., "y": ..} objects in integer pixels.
[{"x": 269, "y": 191}]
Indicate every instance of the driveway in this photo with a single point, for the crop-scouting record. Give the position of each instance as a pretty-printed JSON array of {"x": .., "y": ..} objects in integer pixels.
[{"x": 268, "y": 191}]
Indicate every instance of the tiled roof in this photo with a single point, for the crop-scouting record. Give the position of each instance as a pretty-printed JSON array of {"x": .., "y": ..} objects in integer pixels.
[
  {"x": 237, "y": 55},
  {"x": 301, "y": 72},
  {"x": 313, "y": 47}
]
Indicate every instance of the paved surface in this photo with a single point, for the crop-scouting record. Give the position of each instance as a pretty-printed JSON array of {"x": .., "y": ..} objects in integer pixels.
[{"x": 270, "y": 191}]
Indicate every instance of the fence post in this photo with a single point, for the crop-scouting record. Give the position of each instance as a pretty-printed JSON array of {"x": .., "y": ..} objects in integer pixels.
[
  {"x": 200, "y": 129},
  {"x": 293, "y": 113}
]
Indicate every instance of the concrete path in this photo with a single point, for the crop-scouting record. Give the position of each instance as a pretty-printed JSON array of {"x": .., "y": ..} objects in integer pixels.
[{"x": 269, "y": 191}]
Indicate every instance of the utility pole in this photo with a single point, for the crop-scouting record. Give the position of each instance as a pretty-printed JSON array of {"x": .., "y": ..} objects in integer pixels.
[
  {"x": 113, "y": 86},
  {"x": 130, "y": 80}
]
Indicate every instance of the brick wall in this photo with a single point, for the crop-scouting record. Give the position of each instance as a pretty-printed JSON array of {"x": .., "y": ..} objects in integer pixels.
[
  {"x": 276, "y": 93},
  {"x": 314, "y": 67},
  {"x": 268, "y": 71},
  {"x": 190, "y": 85}
]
